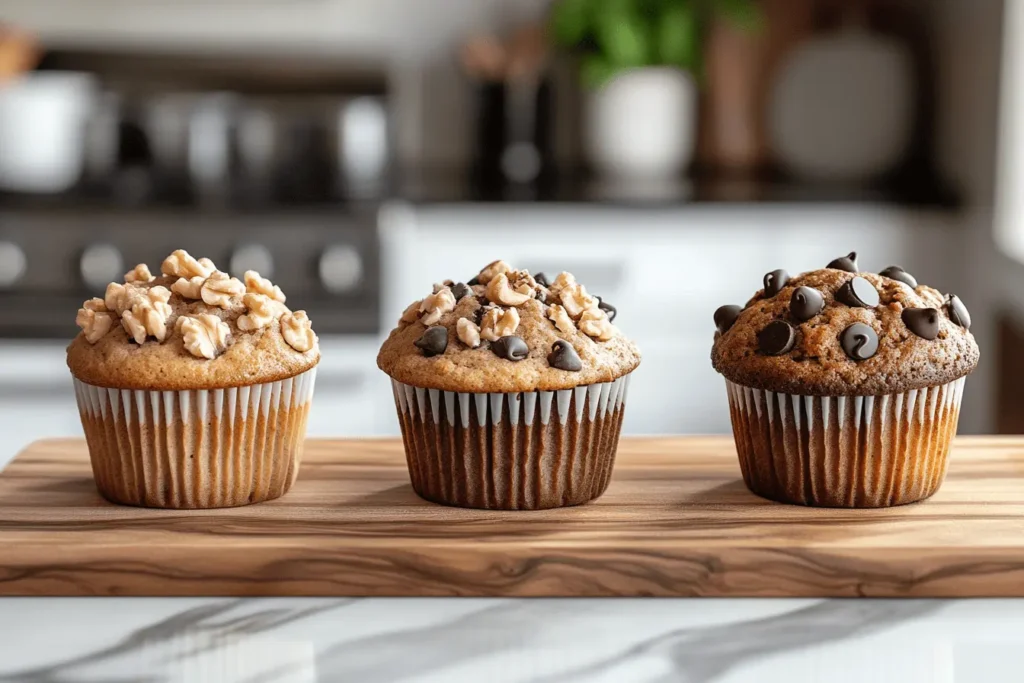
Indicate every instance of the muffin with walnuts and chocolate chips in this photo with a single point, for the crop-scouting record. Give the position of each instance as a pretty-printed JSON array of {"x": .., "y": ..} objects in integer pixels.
[
  {"x": 844, "y": 387},
  {"x": 193, "y": 386},
  {"x": 510, "y": 390}
]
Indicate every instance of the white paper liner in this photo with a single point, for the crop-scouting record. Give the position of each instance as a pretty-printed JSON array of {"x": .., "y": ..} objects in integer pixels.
[
  {"x": 853, "y": 451},
  {"x": 196, "y": 449},
  {"x": 511, "y": 451}
]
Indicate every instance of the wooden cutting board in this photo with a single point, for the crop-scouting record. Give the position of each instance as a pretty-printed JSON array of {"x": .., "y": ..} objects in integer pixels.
[{"x": 676, "y": 521}]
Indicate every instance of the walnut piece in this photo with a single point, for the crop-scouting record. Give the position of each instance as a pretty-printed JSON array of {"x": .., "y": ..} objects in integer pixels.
[
  {"x": 498, "y": 323},
  {"x": 261, "y": 312},
  {"x": 491, "y": 270},
  {"x": 94, "y": 323},
  {"x": 219, "y": 289},
  {"x": 114, "y": 297},
  {"x": 562, "y": 281},
  {"x": 191, "y": 288},
  {"x": 146, "y": 318},
  {"x": 575, "y": 299},
  {"x": 558, "y": 315},
  {"x": 298, "y": 331},
  {"x": 95, "y": 304},
  {"x": 594, "y": 323},
  {"x": 139, "y": 273},
  {"x": 411, "y": 314},
  {"x": 204, "y": 335},
  {"x": 255, "y": 284},
  {"x": 436, "y": 305},
  {"x": 469, "y": 332},
  {"x": 181, "y": 264},
  {"x": 500, "y": 292}
]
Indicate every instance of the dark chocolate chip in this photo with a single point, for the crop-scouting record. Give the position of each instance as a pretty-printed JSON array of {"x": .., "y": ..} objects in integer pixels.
[
  {"x": 434, "y": 341},
  {"x": 474, "y": 281},
  {"x": 510, "y": 348},
  {"x": 460, "y": 290},
  {"x": 564, "y": 357},
  {"x": 924, "y": 322},
  {"x": 859, "y": 341},
  {"x": 607, "y": 308},
  {"x": 858, "y": 292},
  {"x": 847, "y": 263},
  {"x": 897, "y": 273},
  {"x": 725, "y": 316},
  {"x": 806, "y": 303},
  {"x": 957, "y": 312},
  {"x": 541, "y": 279},
  {"x": 777, "y": 338},
  {"x": 774, "y": 282}
]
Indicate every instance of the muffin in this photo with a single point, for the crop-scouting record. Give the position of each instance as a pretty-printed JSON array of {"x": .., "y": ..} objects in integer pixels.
[
  {"x": 844, "y": 387},
  {"x": 510, "y": 390},
  {"x": 193, "y": 386}
]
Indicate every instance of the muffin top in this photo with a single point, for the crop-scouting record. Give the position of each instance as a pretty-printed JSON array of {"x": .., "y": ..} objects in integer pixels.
[
  {"x": 841, "y": 332},
  {"x": 192, "y": 327},
  {"x": 507, "y": 331}
]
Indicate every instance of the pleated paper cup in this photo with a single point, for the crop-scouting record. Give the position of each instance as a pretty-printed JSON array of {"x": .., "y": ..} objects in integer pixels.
[
  {"x": 511, "y": 451},
  {"x": 853, "y": 451},
  {"x": 196, "y": 449}
]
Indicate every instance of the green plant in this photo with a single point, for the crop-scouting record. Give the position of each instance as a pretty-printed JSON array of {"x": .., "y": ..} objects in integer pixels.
[{"x": 614, "y": 35}]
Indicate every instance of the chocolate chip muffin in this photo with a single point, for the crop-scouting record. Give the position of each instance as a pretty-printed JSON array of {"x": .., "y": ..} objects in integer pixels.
[
  {"x": 193, "y": 386},
  {"x": 510, "y": 390},
  {"x": 844, "y": 387}
]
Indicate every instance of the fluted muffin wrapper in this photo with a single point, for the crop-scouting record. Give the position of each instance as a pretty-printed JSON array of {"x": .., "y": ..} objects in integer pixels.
[
  {"x": 852, "y": 451},
  {"x": 196, "y": 449},
  {"x": 511, "y": 451}
]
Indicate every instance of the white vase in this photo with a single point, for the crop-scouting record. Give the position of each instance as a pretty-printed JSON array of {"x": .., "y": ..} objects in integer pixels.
[{"x": 642, "y": 124}]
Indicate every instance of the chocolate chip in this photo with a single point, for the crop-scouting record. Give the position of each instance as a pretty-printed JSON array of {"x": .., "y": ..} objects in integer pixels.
[
  {"x": 897, "y": 273},
  {"x": 806, "y": 303},
  {"x": 924, "y": 322},
  {"x": 847, "y": 263},
  {"x": 564, "y": 357},
  {"x": 858, "y": 292},
  {"x": 460, "y": 290},
  {"x": 774, "y": 282},
  {"x": 725, "y": 316},
  {"x": 510, "y": 348},
  {"x": 474, "y": 281},
  {"x": 541, "y": 279},
  {"x": 859, "y": 341},
  {"x": 957, "y": 312},
  {"x": 777, "y": 338},
  {"x": 434, "y": 341},
  {"x": 607, "y": 308}
]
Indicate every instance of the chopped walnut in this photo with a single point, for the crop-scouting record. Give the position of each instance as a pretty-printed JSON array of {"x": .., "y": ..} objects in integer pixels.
[
  {"x": 204, "y": 335},
  {"x": 411, "y": 314},
  {"x": 219, "y": 289},
  {"x": 139, "y": 273},
  {"x": 436, "y": 305},
  {"x": 562, "y": 281},
  {"x": 146, "y": 318},
  {"x": 491, "y": 270},
  {"x": 95, "y": 304},
  {"x": 181, "y": 264},
  {"x": 298, "y": 331},
  {"x": 191, "y": 288},
  {"x": 558, "y": 315},
  {"x": 594, "y": 323},
  {"x": 261, "y": 312},
  {"x": 500, "y": 292},
  {"x": 114, "y": 297},
  {"x": 498, "y": 323},
  {"x": 255, "y": 284},
  {"x": 576, "y": 300},
  {"x": 94, "y": 323},
  {"x": 469, "y": 332},
  {"x": 159, "y": 293}
]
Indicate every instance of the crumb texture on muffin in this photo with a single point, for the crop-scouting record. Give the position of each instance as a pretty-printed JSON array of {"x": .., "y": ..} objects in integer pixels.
[
  {"x": 191, "y": 327},
  {"x": 500, "y": 332},
  {"x": 840, "y": 332}
]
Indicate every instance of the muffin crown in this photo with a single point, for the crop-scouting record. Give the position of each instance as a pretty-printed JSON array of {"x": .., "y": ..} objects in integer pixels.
[
  {"x": 505, "y": 330},
  {"x": 191, "y": 327},
  {"x": 841, "y": 332}
]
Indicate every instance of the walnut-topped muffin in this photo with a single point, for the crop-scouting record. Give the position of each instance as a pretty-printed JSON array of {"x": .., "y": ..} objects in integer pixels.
[
  {"x": 845, "y": 386},
  {"x": 496, "y": 358},
  {"x": 213, "y": 374}
]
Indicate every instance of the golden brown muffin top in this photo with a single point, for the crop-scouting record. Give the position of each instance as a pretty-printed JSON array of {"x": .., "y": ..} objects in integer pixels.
[
  {"x": 193, "y": 327},
  {"x": 840, "y": 332},
  {"x": 507, "y": 331}
]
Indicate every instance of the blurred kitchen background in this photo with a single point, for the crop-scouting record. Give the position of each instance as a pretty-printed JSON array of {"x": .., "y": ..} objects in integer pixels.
[{"x": 669, "y": 152}]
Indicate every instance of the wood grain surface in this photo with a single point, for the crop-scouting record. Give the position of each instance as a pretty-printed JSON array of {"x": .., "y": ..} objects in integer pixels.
[{"x": 676, "y": 521}]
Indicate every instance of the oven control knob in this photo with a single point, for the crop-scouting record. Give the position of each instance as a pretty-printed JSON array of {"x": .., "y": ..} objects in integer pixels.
[
  {"x": 12, "y": 264},
  {"x": 252, "y": 257},
  {"x": 101, "y": 264},
  {"x": 341, "y": 269}
]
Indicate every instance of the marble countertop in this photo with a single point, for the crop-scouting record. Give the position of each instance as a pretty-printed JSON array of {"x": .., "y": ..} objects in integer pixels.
[{"x": 539, "y": 641}]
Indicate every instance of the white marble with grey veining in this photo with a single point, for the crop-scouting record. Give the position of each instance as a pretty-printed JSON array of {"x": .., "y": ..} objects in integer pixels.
[{"x": 122, "y": 640}]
